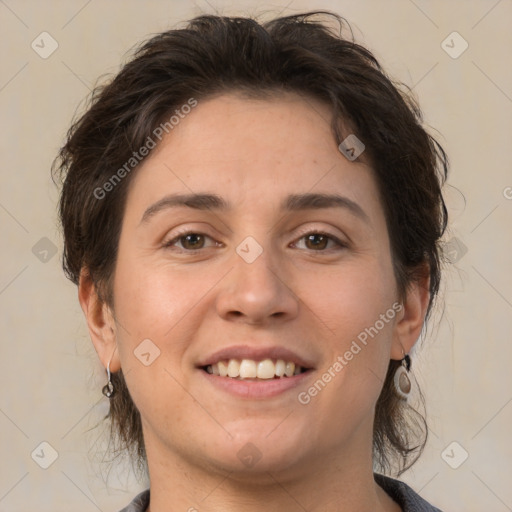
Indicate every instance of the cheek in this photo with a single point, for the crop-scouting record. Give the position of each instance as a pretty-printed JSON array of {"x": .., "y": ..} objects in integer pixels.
[
  {"x": 353, "y": 308},
  {"x": 349, "y": 299},
  {"x": 152, "y": 307},
  {"x": 150, "y": 301}
]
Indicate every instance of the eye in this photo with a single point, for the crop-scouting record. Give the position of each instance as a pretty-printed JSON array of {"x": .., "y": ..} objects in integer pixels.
[
  {"x": 190, "y": 241},
  {"x": 318, "y": 241}
]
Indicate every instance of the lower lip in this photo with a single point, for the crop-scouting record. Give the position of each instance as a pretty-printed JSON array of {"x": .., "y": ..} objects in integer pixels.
[{"x": 256, "y": 389}]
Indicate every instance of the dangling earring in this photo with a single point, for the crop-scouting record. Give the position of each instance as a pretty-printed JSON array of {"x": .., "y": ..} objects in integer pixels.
[
  {"x": 401, "y": 380},
  {"x": 108, "y": 390}
]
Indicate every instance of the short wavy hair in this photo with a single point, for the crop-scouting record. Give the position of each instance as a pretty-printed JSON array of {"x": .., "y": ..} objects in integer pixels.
[{"x": 305, "y": 54}]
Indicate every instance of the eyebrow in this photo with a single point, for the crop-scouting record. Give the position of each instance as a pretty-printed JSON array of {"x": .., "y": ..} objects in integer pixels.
[{"x": 293, "y": 202}]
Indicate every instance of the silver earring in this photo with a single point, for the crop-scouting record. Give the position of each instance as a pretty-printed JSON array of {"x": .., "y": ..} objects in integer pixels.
[
  {"x": 401, "y": 380},
  {"x": 108, "y": 389}
]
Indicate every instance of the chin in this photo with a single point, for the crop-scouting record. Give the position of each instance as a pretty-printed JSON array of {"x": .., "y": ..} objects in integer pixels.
[
  {"x": 251, "y": 452},
  {"x": 250, "y": 464}
]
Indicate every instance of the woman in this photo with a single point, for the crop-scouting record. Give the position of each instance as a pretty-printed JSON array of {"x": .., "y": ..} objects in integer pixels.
[{"x": 252, "y": 215}]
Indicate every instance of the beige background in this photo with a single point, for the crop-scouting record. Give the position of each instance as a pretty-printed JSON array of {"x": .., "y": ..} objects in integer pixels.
[{"x": 50, "y": 378}]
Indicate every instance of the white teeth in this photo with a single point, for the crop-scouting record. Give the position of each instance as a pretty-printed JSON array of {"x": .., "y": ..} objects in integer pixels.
[
  {"x": 233, "y": 368},
  {"x": 290, "y": 368},
  {"x": 266, "y": 369},
  {"x": 280, "y": 367},
  {"x": 250, "y": 369},
  {"x": 223, "y": 368}
]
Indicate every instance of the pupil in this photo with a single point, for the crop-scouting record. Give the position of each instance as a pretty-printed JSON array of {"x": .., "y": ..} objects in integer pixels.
[
  {"x": 311, "y": 237},
  {"x": 194, "y": 238}
]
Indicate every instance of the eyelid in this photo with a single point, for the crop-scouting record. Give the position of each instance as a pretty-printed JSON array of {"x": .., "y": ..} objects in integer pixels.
[
  {"x": 299, "y": 236},
  {"x": 320, "y": 231},
  {"x": 180, "y": 234}
]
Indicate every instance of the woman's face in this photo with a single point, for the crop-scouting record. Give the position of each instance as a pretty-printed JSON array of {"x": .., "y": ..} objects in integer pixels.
[{"x": 270, "y": 275}]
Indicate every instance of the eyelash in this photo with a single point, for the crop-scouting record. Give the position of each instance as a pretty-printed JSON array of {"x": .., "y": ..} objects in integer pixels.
[{"x": 170, "y": 243}]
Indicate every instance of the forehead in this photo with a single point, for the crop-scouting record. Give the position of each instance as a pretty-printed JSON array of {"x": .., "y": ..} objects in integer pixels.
[{"x": 252, "y": 151}]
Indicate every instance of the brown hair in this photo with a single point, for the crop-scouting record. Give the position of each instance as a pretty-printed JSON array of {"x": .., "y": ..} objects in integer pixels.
[{"x": 300, "y": 54}]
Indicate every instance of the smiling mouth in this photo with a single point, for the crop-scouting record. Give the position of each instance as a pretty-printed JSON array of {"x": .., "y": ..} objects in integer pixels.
[{"x": 246, "y": 369}]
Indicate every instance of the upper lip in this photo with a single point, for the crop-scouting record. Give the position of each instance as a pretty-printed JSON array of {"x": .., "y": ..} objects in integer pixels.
[{"x": 256, "y": 353}]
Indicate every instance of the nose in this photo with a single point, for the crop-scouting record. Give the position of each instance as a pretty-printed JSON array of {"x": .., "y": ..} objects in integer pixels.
[{"x": 257, "y": 292}]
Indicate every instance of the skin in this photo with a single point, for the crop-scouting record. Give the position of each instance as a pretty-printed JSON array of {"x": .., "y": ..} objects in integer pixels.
[{"x": 314, "y": 301}]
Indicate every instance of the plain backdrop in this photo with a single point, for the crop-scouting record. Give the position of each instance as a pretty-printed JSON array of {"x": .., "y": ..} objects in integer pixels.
[{"x": 50, "y": 377}]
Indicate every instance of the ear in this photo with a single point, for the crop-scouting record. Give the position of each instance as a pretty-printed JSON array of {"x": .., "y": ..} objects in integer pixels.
[
  {"x": 410, "y": 319},
  {"x": 100, "y": 321}
]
